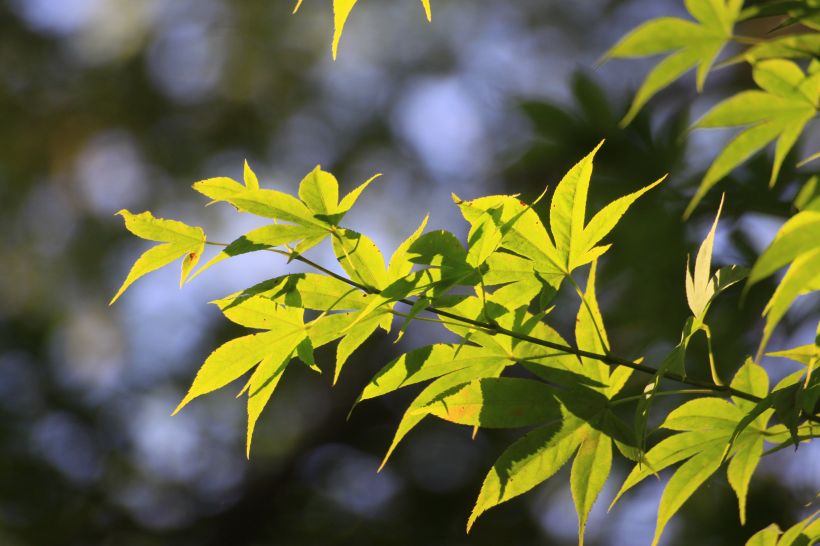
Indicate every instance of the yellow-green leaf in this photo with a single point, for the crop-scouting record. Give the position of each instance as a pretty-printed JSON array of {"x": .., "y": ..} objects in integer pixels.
[
  {"x": 497, "y": 403},
  {"x": 568, "y": 208},
  {"x": 797, "y": 236},
  {"x": 802, "y": 272},
  {"x": 437, "y": 389},
  {"x": 530, "y": 461},
  {"x": 320, "y": 192},
  {"x": 234, "y": 358},
  {"x": 360, "y": 258},
  {"x": 251, "y": 182},
  {"x": 684, "y": 483},
  {"x": 740, "y": 471},
  {"x": 183, "y": 240},
  {"x": 219, "y": 189},
  {"x": 276, "y": 205},
  {"x": 590, "y": 471},
  {"x": 803, "y": 354},
  {"x": 601, "y": 224},
  {"x": 400, "y": 266},
  {"x": 263, "y": 238},
  {"x": 266, "y": 377},
  {"x": 789, "y": 102},
  {"x": 766, "y": 537},
  {"x": 590, "y": 334},
  {"x": 354, "y": 338}
]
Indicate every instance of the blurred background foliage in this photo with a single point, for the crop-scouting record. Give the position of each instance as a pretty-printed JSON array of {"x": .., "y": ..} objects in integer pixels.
[{"x": 111, "y": 104}]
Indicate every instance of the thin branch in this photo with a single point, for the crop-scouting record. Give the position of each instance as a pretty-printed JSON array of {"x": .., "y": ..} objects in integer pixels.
[
  {"x": 497, "y": 329},
  {"x": 665, "y": 393}
]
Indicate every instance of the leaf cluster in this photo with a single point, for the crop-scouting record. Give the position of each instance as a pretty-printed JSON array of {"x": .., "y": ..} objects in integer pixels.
[{"x": 515, "y": 263}]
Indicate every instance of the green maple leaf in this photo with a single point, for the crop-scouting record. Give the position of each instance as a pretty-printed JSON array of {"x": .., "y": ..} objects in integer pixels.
[
  {"x": 324, "y": 293},
  {"x": 701, "y": 290},
  {"x": 316, "y": 214},
  {"x": 585, "y": 428},
  {"x": 181, "y": 239},
  {"x": 787, "y": 101},
  {"x": 796, "y": 244},
  {"x": 705, "y": 426},
  {"x": 524, "y": 234},
  {"x": 690, "y": 43},
  {"x": 284, "y": 331}
]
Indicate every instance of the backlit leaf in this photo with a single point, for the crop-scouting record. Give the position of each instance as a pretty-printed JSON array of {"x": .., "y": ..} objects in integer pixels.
[
  {"x": 803, "y": 354},
  {"x": 439, "y": 388},
  {"x": 182, "y": 240},
  {"x": 311, "y": 291},
  {"x": 236, "y": 357},
  {"x": 590, "y": 333},
  {"x": 320, "y": 192},
  {"x": 426, "y": 363},
  {"x": 400, "y": 266},
  {"x": 354, "y": 338},
  {"x": 350, "y": 199},
  {"x": 360, "y": 257},
  {"x": 497, "y": 403},
  {"x": 766, "y": 537},
  {"x": 219, "y": 189},
  {"x": 684, "y": 483},
  {"x": 263, "y": 382},
  {"x": 263, "y": 238},
  {"x": 590, "y": 471},
  {"x": 690, "y": 43},
  {"x": 276, "y": 205},
  {"x": 575, "y": 244},
  {"x": 251, "y": 182},
  {"x": 704, "y": 414},
  {"x": 797, "y": 236},
  {"x": 568, "y": 208},
  {"x": 740, "y": 471},
  {"x": 789, "y": 103},
  {"x": 803, "y": 271},
  {"x": 699, "y": 292},
  {"x": 795, "y": 46},
  {"x": 305, "y": 353},
  {"x": 809, "y": 196},
  {"x": 529, "y": 461}
]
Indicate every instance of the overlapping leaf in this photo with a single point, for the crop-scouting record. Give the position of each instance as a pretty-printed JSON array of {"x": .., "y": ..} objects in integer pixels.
[
  {"x": 787, "y": 101},
  {"x": 285, "y": 331},
  {"x": 575, "y": 243},
  {"x": 690, "y": 44},
  {"x": 586, "y": 426},
  {"x": 316, "y": 216},
  {"x": 439, "y": 249},
  {"x": 701, "y": 290},
  {"x": 803, "y": 533},
  {"x": 806, "y": 12},
  {"x": 706, "y": 425},
  {"x": 324, "y": 293},
  {"x": 797, "y": 243}
]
